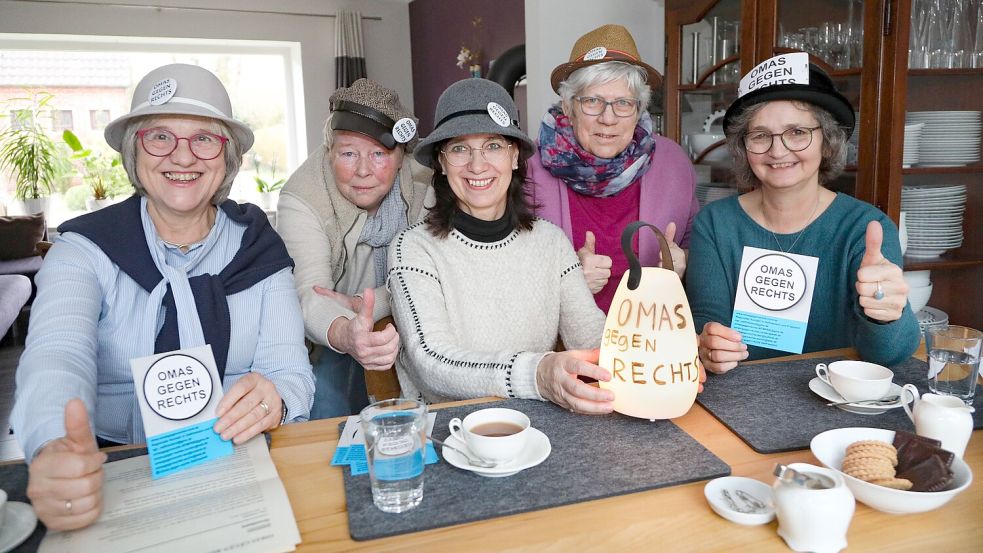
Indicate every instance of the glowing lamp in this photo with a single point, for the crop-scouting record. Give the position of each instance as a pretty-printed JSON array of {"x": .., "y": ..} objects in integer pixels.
[{"x": 649, "y": 342}]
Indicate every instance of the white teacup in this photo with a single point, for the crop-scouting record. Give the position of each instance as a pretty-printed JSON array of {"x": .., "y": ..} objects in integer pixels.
[
  {"x": 856, "y": 380},
  {"x": 493, "y": 434}
]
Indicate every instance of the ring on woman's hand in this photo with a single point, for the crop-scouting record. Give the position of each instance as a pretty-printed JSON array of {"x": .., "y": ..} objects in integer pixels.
[
  {"x": 68, "y": 506},
  {"x": 879, "y": 292},
  {"x": 265, "y": 407}
]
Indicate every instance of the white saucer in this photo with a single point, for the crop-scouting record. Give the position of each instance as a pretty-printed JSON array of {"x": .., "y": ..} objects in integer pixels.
[
  {"x": 714, "y": 490},
  {"x": 827, "y": 392},
  {"x": 537, "y": 449},
  {"x": 18, "y": 525}
]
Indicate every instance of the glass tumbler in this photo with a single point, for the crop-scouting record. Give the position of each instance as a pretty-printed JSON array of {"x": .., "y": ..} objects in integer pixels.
[
  {"x": 395, "y": 442},
  {"x": 953, "y": 360}
]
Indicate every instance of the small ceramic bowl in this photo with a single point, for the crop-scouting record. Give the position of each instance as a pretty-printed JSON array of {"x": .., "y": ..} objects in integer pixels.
[
  {"x": 714, "y": 492},
  {"x": 830, "y": 448},
  {"x": 918, "y": 278},
  {"x": 919, "y": 296}
]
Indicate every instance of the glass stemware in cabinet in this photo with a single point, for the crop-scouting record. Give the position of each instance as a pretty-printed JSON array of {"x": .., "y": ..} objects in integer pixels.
[
  {"x": 946, "y": 34},
  {"x": 838, "y": 40}
]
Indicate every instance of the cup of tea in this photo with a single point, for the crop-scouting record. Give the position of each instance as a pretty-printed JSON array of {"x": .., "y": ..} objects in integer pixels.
[
  {"x": 856, "y": 380},
  {"x": 494, "y": 434}
]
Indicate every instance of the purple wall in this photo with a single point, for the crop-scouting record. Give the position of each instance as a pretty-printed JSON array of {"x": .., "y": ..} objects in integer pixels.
[{"x": 438, "y": 28}]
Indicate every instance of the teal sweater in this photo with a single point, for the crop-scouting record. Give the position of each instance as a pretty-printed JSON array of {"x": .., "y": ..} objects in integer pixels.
[{"x": 836, "y": 237}]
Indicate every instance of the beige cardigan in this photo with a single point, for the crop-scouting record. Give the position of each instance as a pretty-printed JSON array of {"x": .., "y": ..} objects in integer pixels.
[{"x": 321, "y": 228}]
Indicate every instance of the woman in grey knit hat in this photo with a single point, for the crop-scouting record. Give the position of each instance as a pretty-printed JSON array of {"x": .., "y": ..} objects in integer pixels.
[
  {"x": 337, "y": 215},
  {"x": 482, "y": 289}
]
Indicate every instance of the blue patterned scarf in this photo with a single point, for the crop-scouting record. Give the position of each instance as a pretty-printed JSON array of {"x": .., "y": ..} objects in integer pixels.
[{"x": 584, "y": 172}]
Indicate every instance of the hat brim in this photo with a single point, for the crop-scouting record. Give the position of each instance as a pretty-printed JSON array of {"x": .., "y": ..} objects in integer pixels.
[
  {"x": 470, "y": 124},
  {"x": 562, "y": 71},
  {"x": 833, "y": 102},
  {"x": 114, "y": 131}
]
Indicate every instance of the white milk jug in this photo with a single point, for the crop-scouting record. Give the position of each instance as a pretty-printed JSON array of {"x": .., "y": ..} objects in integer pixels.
[{"x": 943, "y": 418}]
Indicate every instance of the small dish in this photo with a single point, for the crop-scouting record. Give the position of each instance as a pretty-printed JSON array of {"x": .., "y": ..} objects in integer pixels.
[
  {"x": 827, "y": 392},
  {"x": 538, "y": 448},
  {"x": 718, "y": 490},
  {"x": 18, "y": 525}
]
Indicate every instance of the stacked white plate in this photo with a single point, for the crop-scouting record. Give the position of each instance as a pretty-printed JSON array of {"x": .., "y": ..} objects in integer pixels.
[
  {"x": 912, "y": 142},
  {"x": 949, "y": 138},
  {"x": 934, "y": 218},
  {"x": 707, "y": 192}
]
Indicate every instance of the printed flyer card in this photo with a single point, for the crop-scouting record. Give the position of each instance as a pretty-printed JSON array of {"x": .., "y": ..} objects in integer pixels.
[
  {"x": 774, "y": 297},
  {"x": 178, "y": 392}
]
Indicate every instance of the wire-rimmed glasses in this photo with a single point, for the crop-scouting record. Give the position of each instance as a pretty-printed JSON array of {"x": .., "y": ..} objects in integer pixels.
[
  {"x": 622, "y": 107},
  {"x": 351, "y": 158},
  {"x": 795, "y": 139},
  {"x": 160, "y": 142},
  {"x": 459, "y": 155}
]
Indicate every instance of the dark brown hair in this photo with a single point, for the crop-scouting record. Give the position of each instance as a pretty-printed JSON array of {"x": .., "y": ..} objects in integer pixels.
[{"x": 518, "y": 207}]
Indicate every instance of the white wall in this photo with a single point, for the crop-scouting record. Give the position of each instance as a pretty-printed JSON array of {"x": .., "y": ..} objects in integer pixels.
[
  {"x": 387, "y": 42},
  {"x": 552, "y": 26}
]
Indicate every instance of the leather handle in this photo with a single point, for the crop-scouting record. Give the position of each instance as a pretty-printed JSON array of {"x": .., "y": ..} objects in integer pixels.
[{"x": 634, "y": 265}]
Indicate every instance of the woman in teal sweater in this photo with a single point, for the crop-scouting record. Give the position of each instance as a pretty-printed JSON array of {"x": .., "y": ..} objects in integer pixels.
[{"x": 788, "y": 140}]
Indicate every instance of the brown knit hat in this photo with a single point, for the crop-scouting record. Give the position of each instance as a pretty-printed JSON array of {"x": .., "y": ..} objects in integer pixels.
[
  {"x": 368, "y": 108},
  {"x": 607, "y": 43}
]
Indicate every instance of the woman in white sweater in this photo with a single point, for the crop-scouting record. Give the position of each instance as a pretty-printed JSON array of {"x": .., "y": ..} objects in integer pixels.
[{"x": 481, "y": 289}]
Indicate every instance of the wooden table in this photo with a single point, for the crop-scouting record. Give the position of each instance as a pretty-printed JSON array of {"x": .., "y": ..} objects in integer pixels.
[{"x": 669, "y": 519}]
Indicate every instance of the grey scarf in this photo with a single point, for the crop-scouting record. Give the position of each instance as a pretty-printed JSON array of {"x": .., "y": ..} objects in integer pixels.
[{"x": 381, "y": 228}]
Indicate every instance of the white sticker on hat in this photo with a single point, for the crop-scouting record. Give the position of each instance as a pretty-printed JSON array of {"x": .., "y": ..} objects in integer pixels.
[
  {"x": 784, "y": 69},
  {"x": 162, "y": 91},
  {"x": 596, "y": 53},
  {"x": 404, "y": 130},
  {"x": 498, "y": 114}
]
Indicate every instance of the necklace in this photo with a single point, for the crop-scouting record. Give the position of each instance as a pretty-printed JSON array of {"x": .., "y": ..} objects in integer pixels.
[
  {"x": 798, "y": 234},
  {"x": 184, "y": 246}
]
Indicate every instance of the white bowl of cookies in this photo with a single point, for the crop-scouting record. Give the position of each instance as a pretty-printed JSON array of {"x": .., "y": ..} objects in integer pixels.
[{"x": 870, "y": 460}]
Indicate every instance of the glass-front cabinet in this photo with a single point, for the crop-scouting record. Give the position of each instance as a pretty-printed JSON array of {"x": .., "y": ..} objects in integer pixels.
[{"x": 913, "y": 70}]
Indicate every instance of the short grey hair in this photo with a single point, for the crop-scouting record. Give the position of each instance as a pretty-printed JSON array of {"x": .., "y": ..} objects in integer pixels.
[
  {"x": 834, "y": 150},
  {"x": 232, "y": 153},
  {"x": 603, "y": 73}
]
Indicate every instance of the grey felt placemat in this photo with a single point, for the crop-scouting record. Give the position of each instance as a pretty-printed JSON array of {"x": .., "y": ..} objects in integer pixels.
[
  {"x": 771, "y": 407},
  {"x": 593, "y": 457}
]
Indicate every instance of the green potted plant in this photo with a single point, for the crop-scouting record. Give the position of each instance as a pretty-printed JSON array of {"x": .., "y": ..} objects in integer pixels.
[
  {"x": 103, "y": 174},
  {"x": 29, "y": 154},
  {"x": 268, "y": 189}
]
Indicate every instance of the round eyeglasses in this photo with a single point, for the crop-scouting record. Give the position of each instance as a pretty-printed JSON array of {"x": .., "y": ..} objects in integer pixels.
[
  {"x": 459, "y": 155},
  {"x": 160, "y": 142},
  {"x": 622, "y": 107},
  {"x": 795, "y": 139}
]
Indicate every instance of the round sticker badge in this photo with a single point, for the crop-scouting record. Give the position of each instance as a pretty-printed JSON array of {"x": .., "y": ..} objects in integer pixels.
[
  {"x": 404, "y": 130},
  {"x": 498, "y": 114},
  {"x": 177, "y": 387},
  {"x": 162, "y": 91},
  {"x": 596, "y": 53},
  {"x": 775, "y": 282}
]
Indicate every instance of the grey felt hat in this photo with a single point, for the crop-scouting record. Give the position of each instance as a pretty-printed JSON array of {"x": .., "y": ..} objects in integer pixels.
[
  {"x": 180, "y": 89},
  {"x": 474, "y": 106}
]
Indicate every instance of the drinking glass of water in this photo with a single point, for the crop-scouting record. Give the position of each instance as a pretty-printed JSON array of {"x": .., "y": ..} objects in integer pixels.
[
  {"x": 953, "y": 360},
  {"x": 395, "y": 441}
]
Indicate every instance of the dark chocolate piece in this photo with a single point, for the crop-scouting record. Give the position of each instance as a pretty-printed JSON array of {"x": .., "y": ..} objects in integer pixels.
[{"x": 929, "y": 475}]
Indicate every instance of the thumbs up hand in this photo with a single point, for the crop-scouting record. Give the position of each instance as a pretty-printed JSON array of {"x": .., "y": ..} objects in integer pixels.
[
  {"x": 597, "y": 268},
  {"x": 880, "y": 285},
  {"x": 375, "y": 351},
  {"x": 65, "y": 479},
  {"x": 678, "y": 254}
]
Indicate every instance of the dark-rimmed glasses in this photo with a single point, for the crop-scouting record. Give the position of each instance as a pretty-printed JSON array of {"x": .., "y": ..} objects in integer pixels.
[
  {"x": 160, "y": 142},
  {"x": 795, "y": 139},
  {"x": 459, "y": 155},
  {"x": 622, "y": 107}
]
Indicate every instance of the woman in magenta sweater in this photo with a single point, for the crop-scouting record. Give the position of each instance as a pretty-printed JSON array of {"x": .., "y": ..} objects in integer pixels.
[{"x": 600, "y": 165}]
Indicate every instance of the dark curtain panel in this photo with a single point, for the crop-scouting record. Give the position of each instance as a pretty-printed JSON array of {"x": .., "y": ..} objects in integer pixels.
[{"x": 349, "y": 53}]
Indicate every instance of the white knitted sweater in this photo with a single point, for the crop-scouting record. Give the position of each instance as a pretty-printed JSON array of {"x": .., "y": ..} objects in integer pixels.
[{"x": 475, "y": 319}]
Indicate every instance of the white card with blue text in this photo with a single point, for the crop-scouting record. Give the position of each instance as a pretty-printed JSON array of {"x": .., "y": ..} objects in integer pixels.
[
  {"x": 774, "y": 298},
  {"x": 178, "y": 392}
]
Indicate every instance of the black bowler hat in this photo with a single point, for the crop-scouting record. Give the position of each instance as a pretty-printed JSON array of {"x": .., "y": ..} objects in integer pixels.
[{"x": 813, "y": 86}]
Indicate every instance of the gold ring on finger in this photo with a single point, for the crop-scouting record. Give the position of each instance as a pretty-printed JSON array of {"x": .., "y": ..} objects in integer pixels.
[{"x": 266, "y": 408}]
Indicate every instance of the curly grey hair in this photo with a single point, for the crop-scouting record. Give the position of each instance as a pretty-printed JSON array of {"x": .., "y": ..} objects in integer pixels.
[
  {"x": 232, "y": 153},
  {"x": 834, "y": 151},
  {"x": 603, "y": 73}
]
